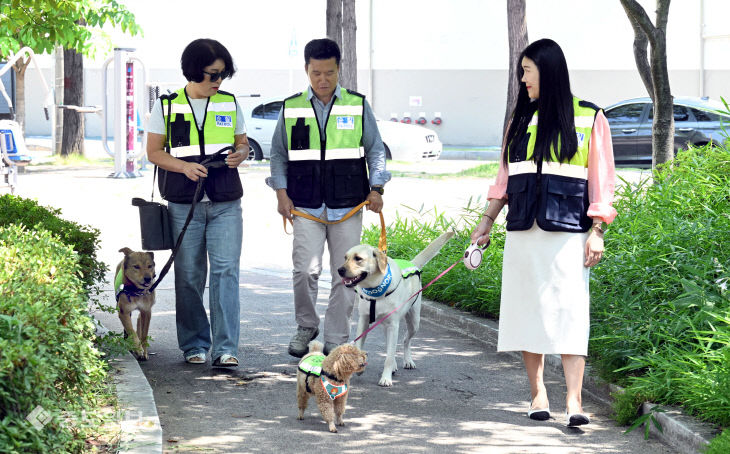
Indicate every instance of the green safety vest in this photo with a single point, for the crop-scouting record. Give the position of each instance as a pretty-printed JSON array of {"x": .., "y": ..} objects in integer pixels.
[
  {"x": 187, "y": 142},
  {"x": 329, "y": 168},
  {"x": 218, "y": 127},
  {"x": 407, "y": 268},
  {"x": 554, "y": 194}
]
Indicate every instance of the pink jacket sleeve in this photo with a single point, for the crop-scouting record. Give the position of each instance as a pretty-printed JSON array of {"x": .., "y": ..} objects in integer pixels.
[
  {"x": 601, "y": 171},
  {"x": 499, "y": 189}
]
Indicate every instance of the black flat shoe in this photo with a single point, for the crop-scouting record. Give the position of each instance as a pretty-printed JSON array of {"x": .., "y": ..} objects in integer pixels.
[
  {"x": 538, "y": 414},
  {"x": 576, "y": 419}
]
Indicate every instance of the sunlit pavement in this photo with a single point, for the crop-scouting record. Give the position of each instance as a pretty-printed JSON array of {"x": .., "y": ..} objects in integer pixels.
[{"x": 463, "y": 397}]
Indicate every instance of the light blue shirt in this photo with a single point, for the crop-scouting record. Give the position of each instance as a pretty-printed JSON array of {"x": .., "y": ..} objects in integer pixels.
[{"x": 373, "y": 144}]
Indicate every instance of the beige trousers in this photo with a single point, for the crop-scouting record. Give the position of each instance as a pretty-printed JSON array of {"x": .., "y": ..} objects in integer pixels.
[{"x": 307, "y": 251}]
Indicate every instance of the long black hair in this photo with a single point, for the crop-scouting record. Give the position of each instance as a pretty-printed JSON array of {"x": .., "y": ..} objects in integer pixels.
[{"x": 554, "y": 104}]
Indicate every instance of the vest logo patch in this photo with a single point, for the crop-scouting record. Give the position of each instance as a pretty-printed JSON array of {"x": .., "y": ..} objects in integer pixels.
[
  {"x": 581, "y": 138},
  {"x": 224, "y": 121},
  {"x": 347, "y": 122}
]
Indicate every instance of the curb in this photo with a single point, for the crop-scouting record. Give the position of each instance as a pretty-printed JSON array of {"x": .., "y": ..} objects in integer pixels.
[
  {"x": 680, "y": 431},
  {"x": 141, "y": 432}
]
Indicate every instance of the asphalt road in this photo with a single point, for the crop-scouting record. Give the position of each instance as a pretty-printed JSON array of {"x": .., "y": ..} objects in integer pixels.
[{"x": 463, "y": 397}]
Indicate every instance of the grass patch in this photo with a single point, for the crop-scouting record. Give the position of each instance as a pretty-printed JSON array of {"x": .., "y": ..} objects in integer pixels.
[{"x": 488, "y": 170}]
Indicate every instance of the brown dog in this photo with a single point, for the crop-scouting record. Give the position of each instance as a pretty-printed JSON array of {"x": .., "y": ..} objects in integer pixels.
[
  {"x": 328, "y": 380},
  {"x": 134, "y": 276}
]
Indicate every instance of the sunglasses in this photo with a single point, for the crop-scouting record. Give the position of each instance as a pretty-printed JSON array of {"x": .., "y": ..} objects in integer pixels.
[{"x": 215, "y": 76}]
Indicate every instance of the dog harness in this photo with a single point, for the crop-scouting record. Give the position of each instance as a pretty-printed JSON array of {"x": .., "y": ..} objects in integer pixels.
[
  {"x": 312, "y": 365},
  {"x": 120, "y": 287},
  {"x": 408, "y": 269}
]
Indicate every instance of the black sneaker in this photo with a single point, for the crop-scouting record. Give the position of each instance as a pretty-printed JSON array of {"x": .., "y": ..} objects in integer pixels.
[{"x": 299, "y": 344}]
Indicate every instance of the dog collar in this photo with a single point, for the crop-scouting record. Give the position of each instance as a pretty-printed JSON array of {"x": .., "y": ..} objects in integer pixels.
[
  {"x": 120, "y": 287},
  {"x": 334, "y": 391},
  {"x": 380, "y": 290}
]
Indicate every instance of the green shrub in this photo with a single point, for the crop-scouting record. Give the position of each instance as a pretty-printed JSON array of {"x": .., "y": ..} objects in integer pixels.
[
  {"x": 660, "y": 302},
  {"x": 46, "y": 354},
  {"x": 83, "y": 239},
  {"x": 720, "y": 444}
]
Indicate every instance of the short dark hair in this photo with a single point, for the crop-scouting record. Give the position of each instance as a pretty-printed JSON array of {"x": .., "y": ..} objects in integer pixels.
[
  {"x": 322, "y": 49},
  {"x": 201, "y": 53}
]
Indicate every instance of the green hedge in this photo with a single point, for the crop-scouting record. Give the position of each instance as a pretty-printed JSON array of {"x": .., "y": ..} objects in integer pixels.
[
  {"x": 660, "y": 298},
  {"x": 46, "y": 354},
  {"x": 83, "y": 239}
]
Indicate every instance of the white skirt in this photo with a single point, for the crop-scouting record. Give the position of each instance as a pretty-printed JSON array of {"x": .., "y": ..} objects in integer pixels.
[{"x": 545, "y": 298}]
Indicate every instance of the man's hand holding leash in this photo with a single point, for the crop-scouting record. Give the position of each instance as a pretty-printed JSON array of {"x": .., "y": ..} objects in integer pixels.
[
  {"x": 285, "y": 205},
  {"x": 376, "y": 202}
]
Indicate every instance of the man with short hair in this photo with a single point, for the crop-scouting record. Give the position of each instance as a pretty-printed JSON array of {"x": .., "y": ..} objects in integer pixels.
[{"x": 326, "y": 158}]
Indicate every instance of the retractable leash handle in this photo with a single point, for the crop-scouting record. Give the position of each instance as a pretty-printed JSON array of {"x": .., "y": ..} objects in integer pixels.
[{"x": 473, "y": 254}]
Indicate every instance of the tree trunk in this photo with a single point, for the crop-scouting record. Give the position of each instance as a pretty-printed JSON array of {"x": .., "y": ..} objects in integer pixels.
[
  {"x": 73, "y": 95},
  {"x": 334, "y": 21},
  {"x": 658, "y": 87},
  {"x": 662, "y": 133},
  {"x": 20, "y": 66},
  {"x": 349, "y": 47},
  {"x": 517, "y": 36},
  {"x": 641, "y": 57}
]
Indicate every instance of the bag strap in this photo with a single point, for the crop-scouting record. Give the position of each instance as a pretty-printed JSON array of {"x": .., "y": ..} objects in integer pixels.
[{"x": 169, "y": 99}]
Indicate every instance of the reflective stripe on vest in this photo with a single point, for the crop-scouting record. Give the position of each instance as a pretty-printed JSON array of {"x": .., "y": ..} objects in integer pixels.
[
  {"x": 218, "y": 129},
  {"x": 577, "y": 167},
  {"x": 343, "y": 131}
]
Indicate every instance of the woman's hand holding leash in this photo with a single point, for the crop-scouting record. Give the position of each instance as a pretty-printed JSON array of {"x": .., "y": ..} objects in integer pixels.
[
  {"x": 235, "y": 158},
  {"x": 480, "y": 235},
  {"x": 194, "y": 171}
]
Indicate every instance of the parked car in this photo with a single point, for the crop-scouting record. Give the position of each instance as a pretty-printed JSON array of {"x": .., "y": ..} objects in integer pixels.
[
  {"x": 403, "y": 142},
  {"x": 697, "y": 121}
]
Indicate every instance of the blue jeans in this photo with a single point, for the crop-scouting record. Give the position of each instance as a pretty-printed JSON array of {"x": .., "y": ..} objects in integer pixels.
[{"x": 214, "y": 235}]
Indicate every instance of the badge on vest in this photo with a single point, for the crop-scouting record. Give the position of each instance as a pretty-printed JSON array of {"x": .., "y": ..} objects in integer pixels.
[
  {"x": 347, "y": 122},
  {"x": 581, "y": 138},
  {"x": 224, "y": 121}
]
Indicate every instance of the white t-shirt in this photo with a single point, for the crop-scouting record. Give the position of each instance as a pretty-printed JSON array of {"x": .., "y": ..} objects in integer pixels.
[{"x": 157, "y": 119}]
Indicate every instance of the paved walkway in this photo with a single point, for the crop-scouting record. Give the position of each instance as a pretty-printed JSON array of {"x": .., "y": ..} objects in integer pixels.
[{"x": 463, "y": 397}]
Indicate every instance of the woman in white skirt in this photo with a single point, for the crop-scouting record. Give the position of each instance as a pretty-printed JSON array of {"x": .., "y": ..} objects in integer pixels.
[{"x": 558, "y": 179}]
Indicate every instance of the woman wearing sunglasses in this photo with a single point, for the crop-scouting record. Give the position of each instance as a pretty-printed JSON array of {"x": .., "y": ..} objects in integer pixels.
[{"x": 186, "y": 127}]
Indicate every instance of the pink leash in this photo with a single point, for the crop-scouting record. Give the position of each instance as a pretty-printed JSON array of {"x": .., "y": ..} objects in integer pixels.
[{"x": 408, "y": 299}]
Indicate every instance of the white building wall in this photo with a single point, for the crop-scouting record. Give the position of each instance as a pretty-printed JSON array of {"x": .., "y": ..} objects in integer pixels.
[{"x": 453, "y": 55}]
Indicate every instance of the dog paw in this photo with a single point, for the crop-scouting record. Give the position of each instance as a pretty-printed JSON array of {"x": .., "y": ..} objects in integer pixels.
[
  {"x": 333, "y": 429},
  {"x": 409, "y": 365},
  {"x": 385, "y": 382}
]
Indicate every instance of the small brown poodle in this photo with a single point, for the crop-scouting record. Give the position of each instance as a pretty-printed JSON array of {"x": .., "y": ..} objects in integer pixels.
[{"x": 328, "y": 379}]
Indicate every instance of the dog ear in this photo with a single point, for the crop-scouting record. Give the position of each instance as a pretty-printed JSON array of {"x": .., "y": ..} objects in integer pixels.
[
  {"x": 126, "y": 250},
  {"x": 382, "y": 260},
  {"x": 152, "y": 255}
]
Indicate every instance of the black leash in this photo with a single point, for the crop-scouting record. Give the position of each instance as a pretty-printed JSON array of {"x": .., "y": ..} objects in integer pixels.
[{"x": 213, "y": 161}]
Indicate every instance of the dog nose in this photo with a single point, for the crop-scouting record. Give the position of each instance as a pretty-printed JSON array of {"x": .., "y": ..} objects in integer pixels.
[
  {"x": 147, "y": 279},
  {"x": 341, "y": 270}
]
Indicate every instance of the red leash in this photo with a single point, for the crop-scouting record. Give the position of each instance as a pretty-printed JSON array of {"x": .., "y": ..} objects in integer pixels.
[{"x": 407, "y": 299}]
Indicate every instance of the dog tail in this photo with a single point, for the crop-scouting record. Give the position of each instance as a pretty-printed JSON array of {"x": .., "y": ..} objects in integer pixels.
[
  {"x": 316, "y": 346},
  {"x": 432, "y": 249}
]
